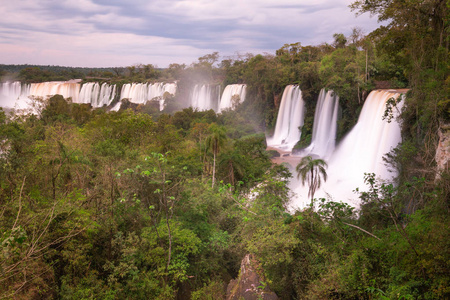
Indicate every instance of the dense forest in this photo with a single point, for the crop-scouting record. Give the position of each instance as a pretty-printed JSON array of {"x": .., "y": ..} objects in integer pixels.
[{"x": 143, "y": 204}]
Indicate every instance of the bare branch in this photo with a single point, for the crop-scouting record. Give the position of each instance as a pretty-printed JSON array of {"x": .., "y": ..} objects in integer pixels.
[
  {"x": 20, "y": 203},
  {"x": 365, "y": 231}
]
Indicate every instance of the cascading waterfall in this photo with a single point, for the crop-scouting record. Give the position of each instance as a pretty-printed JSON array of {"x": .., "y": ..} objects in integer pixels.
[
  {"x": 140, "y": 93},
  {"x": 17, "y": 95},
  {"x": 89, "y": 93},
  {"x": 361, "y": 151},
  {"x": 135, "y": 92},
  {"x": 205, "y": 97},
  {"x": 96, "y": 95},
  {"x": 68, "y": 89},
  {"x": 14, "y": 95},
  {"x": 323, "y": 139},
  {"x": 290, "y": 118},
  {"x": 226, "y": 101},
  {"x": 107, "y": 95}
]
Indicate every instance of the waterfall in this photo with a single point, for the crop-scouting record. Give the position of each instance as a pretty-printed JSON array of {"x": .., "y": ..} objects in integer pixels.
[
  {"x": 290, "y": 118},
  {"x": 107, "y": 95},
  {"x": 205, "y": 97},
  {"x": 361, "y": 151},
  {"x": 159, "y": 91},
  {"x": 14, "y": 95},
  {"x": 67, "y": 89},
  {"x": 89, "y": 93},
  {"x": 325, "y": 125},
  {"x": 96, "y": 95},
  {"x": 135, "y": 92},
  {"x": 230, "y": 91},
  {"x": 141, "y": 93}
]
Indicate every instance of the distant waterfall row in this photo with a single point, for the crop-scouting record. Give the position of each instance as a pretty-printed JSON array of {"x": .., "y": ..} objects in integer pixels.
[
  {"x": 16, "y": 95},
  {"x": 205, "y": 97}
]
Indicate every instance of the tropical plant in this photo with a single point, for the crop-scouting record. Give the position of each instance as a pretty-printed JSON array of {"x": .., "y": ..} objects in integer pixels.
[
  {"x": 312, "y": 170},
  {"x": 215, "y": 142}
]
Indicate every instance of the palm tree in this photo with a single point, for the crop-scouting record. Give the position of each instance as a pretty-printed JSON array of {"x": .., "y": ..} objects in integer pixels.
[
  {"x": 215, "y": 141},
  {"x": 312, "y": 170}
]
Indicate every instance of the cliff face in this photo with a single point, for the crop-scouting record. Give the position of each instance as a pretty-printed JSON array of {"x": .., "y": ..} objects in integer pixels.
[{"x": 443, "y": 151}]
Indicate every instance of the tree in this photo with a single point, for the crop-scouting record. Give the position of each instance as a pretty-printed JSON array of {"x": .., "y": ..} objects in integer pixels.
[
  {"x": 175, "y": 70},
  {"x": 339, "y": 40},
  {"x": 312, "y": 170},
  {"x": 417, "y": 37},
  {"x": 165, "y": 192},
  {"x": 209, "y": 59},
  {"x": 215, "y": 142},
  {"x": 233, "y": 165}
]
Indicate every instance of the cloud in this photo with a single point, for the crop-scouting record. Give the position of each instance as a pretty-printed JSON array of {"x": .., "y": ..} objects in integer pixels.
[
  {"x": 103, "y": 50},
  {"x": 120, "y": 33}
]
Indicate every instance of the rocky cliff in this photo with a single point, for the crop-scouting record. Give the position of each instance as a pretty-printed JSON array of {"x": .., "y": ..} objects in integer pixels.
[
  {"x": 443, "y": 151},
  {"x": 250, "y": 284}
]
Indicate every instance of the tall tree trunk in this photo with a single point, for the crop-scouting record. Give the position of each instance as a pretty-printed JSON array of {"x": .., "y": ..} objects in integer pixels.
[
  {"x": 366, "y": 76},
  {"x": 169, "y": 255},
  {"x": 311, "y": 187},
  {"x": 214, "y": 168}
]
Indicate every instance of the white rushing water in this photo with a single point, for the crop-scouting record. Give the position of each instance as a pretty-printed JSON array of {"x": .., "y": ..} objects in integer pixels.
[
  {"x": 141, "y": 93},
  {"x": 290, "y": 118},
  {"x": 18, "y": 96},
  {"x": 14, "y": 95},
  {"x": 67, "y": 89},
  {"x": 226, "y": 101},
  {"x": 323, "y": 139},
  {"x": 361, "y": 151},
  {"x": 205, "y": 97},
  {"x": 97, "y": 95}
]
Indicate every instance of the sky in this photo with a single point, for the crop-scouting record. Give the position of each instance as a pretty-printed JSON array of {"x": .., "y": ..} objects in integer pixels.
[{"x": 114, "y": 33}]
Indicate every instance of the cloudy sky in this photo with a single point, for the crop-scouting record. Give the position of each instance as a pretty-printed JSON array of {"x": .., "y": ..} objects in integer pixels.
[{"x": 110, "y": 33}]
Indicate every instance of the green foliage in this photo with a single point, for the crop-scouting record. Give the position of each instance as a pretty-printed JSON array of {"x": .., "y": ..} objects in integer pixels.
[
  {"x": 120, "y": 205},
  {"x": 127, "y": 220},
  {"x": 212, "y": 291}
]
